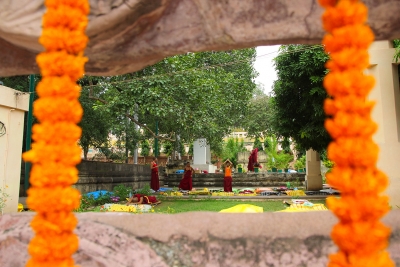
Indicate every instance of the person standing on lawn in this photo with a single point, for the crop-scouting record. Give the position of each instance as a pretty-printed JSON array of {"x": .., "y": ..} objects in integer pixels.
[
  {"x": 186, "y": 182},
  {"x": 155, "y": 181},
  {"x": 228, "y": 176}
]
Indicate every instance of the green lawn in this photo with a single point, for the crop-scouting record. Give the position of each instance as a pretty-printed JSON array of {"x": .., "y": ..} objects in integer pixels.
[{"x": 180, "y": 205}]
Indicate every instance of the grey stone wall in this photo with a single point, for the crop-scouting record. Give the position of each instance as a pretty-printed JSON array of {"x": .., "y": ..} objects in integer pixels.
[
  {"x": 96, "y": 175},
  {"x": 262, "y": 179}
]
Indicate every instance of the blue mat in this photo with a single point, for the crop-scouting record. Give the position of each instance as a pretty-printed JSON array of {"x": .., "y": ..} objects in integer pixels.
[
  {"x": 97, "y": 194},
  {"x": 164, "y": 189}
]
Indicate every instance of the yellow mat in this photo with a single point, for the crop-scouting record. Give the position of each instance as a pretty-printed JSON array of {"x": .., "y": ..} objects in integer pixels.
[
  {"x": 243, "y": 208},
  {"x": 301, "y": 207}
]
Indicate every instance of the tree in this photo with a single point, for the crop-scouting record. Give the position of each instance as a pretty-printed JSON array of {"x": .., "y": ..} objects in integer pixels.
[
  {"x": 145, "y": 147},
  {"x": 192, "y": 95},
  {"x": 168, "y": 148},
  {"x": 258, "y": 116},
  {"x": 298, "y": 96},
  {"x": 95, "y": 125},
  {"x": 257, "y": 144},
  {"x": 231, "y": 149}
]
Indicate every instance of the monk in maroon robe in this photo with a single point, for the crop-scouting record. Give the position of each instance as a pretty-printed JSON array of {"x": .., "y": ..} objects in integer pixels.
[
  {"x": 155, "y": 181},
  {"x": 186, "y": 182},
  {"x": 253, "y": 159},
  {"x": 143, "y": 199},
  {"x": 228, "y": 176}
]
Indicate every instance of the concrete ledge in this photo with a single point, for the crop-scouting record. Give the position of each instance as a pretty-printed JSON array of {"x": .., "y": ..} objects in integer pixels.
[{"x": 193, "y": 239}]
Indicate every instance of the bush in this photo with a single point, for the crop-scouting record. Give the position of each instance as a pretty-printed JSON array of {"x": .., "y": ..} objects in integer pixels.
[
  {"x": 300, "y": 163},
  {"x": 103, "y": 199},
  {"x": 86, "y": 203},
  {"x": 122, "y": 191},
  {"x": 144, "y": 191}
]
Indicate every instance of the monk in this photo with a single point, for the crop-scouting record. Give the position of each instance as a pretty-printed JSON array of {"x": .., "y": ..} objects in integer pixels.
[
  {"x": 155, "y": 181},
  {"x": 228, "y": 176},
  {"x": 143, "y": 199},
  {"x": 186, "y": 182}
]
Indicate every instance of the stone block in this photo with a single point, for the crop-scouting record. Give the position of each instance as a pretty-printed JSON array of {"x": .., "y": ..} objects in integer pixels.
[{"x": 193, "y": 239}]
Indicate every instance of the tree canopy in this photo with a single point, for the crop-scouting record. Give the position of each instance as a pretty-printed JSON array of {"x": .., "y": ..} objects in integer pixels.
[
  {"x": 298, "y": 95},
  {"x": 192, "y": 95}
]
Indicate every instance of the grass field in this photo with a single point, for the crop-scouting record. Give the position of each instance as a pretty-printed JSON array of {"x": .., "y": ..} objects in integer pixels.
[{"x": 215, "y": 205}]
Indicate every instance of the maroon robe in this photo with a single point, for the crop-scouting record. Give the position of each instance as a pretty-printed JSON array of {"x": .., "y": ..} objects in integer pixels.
[
  {"x": 186, "y": 182},
  {"x": 252, "y": 160},
  {"x": 146, "y": 199},
  {"x": 155, "y": 181}
]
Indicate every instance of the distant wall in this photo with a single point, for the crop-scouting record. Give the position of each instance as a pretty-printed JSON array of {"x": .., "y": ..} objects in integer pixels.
[{"x": 96, "y": 175}]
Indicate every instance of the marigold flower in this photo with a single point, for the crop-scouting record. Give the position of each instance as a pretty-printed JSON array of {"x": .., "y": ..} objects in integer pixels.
[
  {"x": 67, "y": 17},
  {"x": 55, "y": 152},
  {"x": 56, "y": 222},
  {"x": 33, "y": 262},
  {"x": 61, "y": 86},
  {"x": 349, "y": 82},
  {"x": 78, "y": 5},
  {"x": 57, "y": 109},
  {"x": 51, "y": 247},
  {"x": 56, "y": 133},
  {"x": 359, "y": 234},
  {"x": 355, "y": 36},
  {"x": 57, "y": 199},
  {"x": 348, "y": 58},
  {"x": 53, "y": 174},
  {"x": 55, "y": 39},
  {"x": 343, "y": 14},
  {"x": 61, "y": 63}
]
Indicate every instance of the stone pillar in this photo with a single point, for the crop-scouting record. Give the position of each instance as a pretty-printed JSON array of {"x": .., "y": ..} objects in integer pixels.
[
  {"x": 313, "y": 168},
  {"x": 13, "y": 105},
  {"x": 386, "y": 113}
]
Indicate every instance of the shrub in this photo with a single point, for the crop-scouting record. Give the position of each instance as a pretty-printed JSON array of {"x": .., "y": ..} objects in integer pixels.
[
  {"x": 86, "y": 203},
  {"x": 144, "y": 191},
  {"x": 122, "y": 191}
]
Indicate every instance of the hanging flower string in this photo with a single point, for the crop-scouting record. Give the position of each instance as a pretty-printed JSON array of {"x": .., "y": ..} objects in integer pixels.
[
  {"x": 360, "y": 236},
  {"x": 55, "y": 152}
]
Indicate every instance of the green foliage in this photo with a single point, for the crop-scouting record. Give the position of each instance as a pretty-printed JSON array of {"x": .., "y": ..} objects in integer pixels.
[
  {"x": 256, "y": 121},
  {"x": 285, "y": 144},
  {"x": 257, "y": 144},
  {"x": 300, "y": 162},
  {"x": 145, "y": 190},
  {"x": 282, "y": 160},
  {"x": 122, "y": 191},
  {"x": 86, "y": 203},
  {"x": 190, "y": 149},
  {"x": 168, "y": 148},
  {"x": 95, "y": 125},
  {"x": 145, "y": 146},
  {"x": 188, "y": 94},
  {"x": 298, "y": 95},
  {"x": 103, "y": 199},
  {"x": 396, "y": 44},
  {"x": 231, "y": 149}
]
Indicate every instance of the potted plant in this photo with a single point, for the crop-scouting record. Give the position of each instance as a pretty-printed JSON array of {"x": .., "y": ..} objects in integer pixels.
[
  {"x": 300, "y": 164},
  {"x": 240, "y": 168},
  {"x": 271, "y": 164},
  {"x": 257, "y": 167}
]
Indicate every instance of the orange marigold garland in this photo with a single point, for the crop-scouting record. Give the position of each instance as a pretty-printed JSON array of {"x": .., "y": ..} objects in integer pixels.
[
  {"x": 55, "y": 152},
  {"x": 360, "y": 235}
]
